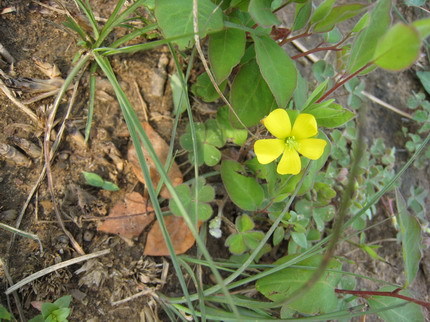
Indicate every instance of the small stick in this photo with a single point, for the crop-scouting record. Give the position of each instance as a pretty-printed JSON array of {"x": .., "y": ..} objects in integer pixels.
[
  {"x": 134, "y": 296},
  {"x": 395, "y": 293},
  {"x": 6, "y": 55},
  {"x": 15, "y": 295},
  {"x": 55, "y": 267},
  {"x": 313, "y": 58},
  {"x": 21, "y": 106}
]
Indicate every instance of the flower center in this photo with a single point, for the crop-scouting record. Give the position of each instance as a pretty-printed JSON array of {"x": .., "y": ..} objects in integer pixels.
[{"x": 291, "y": 142}]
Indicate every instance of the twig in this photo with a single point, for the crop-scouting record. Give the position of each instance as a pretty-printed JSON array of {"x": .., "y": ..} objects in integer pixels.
[
  {"x": 332, "y": 48},
  {"x": 5, "y": 53},
  {"x": 48, "y": 157},
  {"x": 395, "y": 293},
  {"x": 386, "y": 105},
  {"x": 15, "y": 295},
  {"x": 313, "y": 58},
  {"x": 55, "y": 267},
  {"x": 146, "y": 291},
  {"x": 21, "y": 106}
]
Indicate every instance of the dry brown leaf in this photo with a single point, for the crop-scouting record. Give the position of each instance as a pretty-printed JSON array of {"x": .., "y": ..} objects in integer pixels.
[
  {"x": 180, "y": 234},
  {"x": 162, "y": 150},
  {"x": 134, "y": 214}
]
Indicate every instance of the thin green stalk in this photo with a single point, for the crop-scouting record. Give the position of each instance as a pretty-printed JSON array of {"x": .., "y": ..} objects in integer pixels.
[
  {"x": 91, "y": 99},
  {"x": 132, "y": 35},
  {"x": 86, "y": 8}
]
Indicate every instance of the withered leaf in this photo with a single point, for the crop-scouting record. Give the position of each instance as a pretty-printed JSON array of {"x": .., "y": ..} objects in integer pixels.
[
  {"x": 162, "y": 150},
  {"x": 128, "y": 218},
  {"x": 180, "y": 234}
]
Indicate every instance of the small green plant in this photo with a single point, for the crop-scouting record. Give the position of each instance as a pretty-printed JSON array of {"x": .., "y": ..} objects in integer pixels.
[
  {"x": 93, "y": 179},
  {"x": 4, "y": 314},
  {"x": 286, "y": 188},
  {"x": 54, "y": 312}
]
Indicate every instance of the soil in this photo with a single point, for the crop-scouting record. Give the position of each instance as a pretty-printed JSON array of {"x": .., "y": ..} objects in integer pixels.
[{"x": 34, "y": 32}]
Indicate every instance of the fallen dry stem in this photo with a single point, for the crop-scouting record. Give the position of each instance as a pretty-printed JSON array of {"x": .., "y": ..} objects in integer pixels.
[
  {"x": 48, "y": 157},
  {"x": 14, "y": 294},
  {"x": 55, "y": 267},
  {"x": 18, "y": 103}
]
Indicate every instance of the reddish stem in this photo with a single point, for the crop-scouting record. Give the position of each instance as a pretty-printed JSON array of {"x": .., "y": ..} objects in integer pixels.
[
  {"x": 287, "y": 40},
  {"x": 339, "y": 84},
  {"x": 334, "y": 48},
  {"x": 395, "y": 293}
]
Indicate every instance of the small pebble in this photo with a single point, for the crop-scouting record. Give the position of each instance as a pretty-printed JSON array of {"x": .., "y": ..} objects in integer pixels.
[
  {"x": 88, "y": 235},
  {"x": 9, "y": 215}
]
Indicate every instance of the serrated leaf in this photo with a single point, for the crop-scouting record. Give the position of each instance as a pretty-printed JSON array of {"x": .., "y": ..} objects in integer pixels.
[
  {"x": 406, "y": 313},
  {"x": 251, "y": 100},
  {"x": 175, "y": 18},
  {"x": 225, "y": 51},
  {"x": 410, "y": 232},
  {"x": 399, "y": 48},
  {"x": 318, "y": 299},
  {"x": 261, "y": 12},
  {"x": 363, "y": 48},
  {"x": 331, "y": 116},
  {"x": 244, "y": 191},
  {"x": 277, "y": 68}
]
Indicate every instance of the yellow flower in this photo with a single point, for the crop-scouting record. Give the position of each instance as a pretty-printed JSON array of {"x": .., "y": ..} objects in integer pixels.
[{"x": 290, "y": 141}]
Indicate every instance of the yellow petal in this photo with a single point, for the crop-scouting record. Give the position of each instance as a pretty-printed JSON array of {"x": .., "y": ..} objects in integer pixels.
[
  {"x": 311, "y": 148},
  {"x": 278, "y": 123},
  {"x": 268, "y": 150},
  {"x": 290, "y": 162},
  {"x": 304, "y": 127}
]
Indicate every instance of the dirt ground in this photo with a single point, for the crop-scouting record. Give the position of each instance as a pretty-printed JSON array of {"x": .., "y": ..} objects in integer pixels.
[{"x": 98, "y": 286}]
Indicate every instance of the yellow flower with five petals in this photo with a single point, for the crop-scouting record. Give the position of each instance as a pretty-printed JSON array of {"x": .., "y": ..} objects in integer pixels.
[{"x": 290, "y": 141}]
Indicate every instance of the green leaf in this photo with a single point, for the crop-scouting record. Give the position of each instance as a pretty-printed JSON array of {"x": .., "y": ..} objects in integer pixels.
[
  {"x": 425, "y": 80},
  {"x": 303, "y": 13},
  {"x": 300, "y": 239},
  {"x": 399, "y": 48},
  {"x": 238, "y": 136},
  {"x": 322, "y": 11},
  {"x": 204, "y": 88},
  {"x": 236, "y": 244},
  {"x": 186, "y": 195},
  {"x": 406, "y": 313},
  {"x": 4, "y": 314},
  {"x": 211, "y": 155},
  {"x": 337, "y": 15},
  {"x": 277, "y": 68},
  {"x": 320, "y": 298},
  {"x": 331, "y": 116},
  {"x": 37, "y": 318},
  {"x": 250, "y": 96},
  {"x": 64, "y": 301},
  {"x": 316, "y": 94},
  {"x": 423, "y": 27},
  {"x": 244, "y": 223},
  {"x": 175, "y": 18},
  {"x": 261, "y": 12},
  {"x": 244, "y": 191},
  {"x": 362, "y": 23},
  {"x": 225, "y": 51},
  {"x": 410, "y": 233},
  {"x": 110, "y": 186},
  {"x": 178, "y": 94},
  {"x": 59, "y": 315},
  {"x": 278, "y": 235},
  {"x": 93, "y": 179},
  {"x": 416, "y": 3},
  {"x": 364, "y": 45},
  {"x": 252, "y": 239},
  {"x": 48, "y": 308}
]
